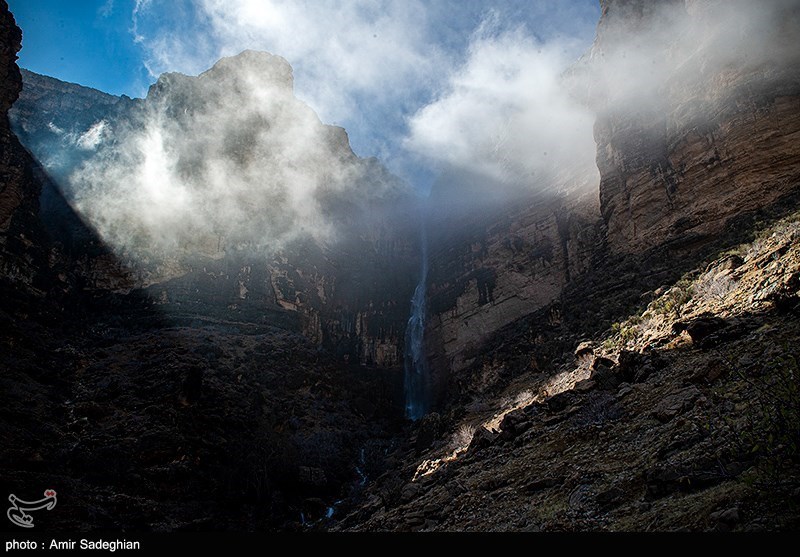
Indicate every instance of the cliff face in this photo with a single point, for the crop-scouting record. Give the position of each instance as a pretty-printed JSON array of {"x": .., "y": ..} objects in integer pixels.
[
  {"x": 503, "y": 264},
  {"x": 22, "y": 255},
  {"x": 263, "y": 214},
  {"x": 716, "y": 135},
  {"x": 697, "y": 124}
]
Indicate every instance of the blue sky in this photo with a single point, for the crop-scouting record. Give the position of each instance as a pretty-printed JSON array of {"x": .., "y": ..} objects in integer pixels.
[
  {"x": 81, "y": 42},
  {"x": 370, "y": 66}
]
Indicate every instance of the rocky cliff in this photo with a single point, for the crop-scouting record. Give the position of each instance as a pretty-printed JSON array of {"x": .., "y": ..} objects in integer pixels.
[
  {"x": 717, "y": 133},
  {"x": 22, "y": 255},
  {"x": 692, "y": 140},
  {"x": 506, "y": 262},
  {"x": 267, "y": 216}
]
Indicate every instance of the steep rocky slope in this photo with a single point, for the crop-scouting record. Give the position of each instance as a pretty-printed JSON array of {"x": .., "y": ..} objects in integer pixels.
[
  {"x": 143, "y": 423},
  {"x": 682, "y": 417}
]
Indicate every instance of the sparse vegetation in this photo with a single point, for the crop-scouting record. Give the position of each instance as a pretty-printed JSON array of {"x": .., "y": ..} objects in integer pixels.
[
  {"x": 626, "y": 330},
  {"x": 462, "y": 437},
  {"x": 714, "y": 286},
  {"x": 673, "y": 299}
]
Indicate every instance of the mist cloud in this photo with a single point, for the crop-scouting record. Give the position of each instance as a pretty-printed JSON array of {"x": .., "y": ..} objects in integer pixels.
[
  {"x": 506, "y": 114},
  {"x": 226, "y": 161},
  {"x": 234, "y": 159},
  {"x": 520, "y": 111},
  {"x": 692, "y": 47},
  {"x": 364, "y": 64},
  {"x": 344, "y": 47}
]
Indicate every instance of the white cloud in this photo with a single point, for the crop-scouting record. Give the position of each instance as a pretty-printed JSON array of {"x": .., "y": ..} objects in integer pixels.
[
  {"x": 138, "y": 7},
  {"x": 344, "y": 48},
  {"x": 362, "y": 64},
  {"x": 221, "y": 162},
  {"x": 506, "y": 113},
  {"x": 106, "y": 9},
  {"x": 91, "y": 138}
]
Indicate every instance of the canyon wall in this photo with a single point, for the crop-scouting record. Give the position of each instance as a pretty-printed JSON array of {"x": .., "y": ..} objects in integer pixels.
[
  {"x": 22, "y": 255},
  {"x": 691, "y": 136},
  {"x": 717, "y": 135},
  {"x": 492, "y": 268},
  {"x": 346, "y": 287}
]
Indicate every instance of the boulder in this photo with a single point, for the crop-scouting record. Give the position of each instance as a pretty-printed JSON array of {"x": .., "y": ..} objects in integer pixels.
[
  {"x": 727, "y": 516},
  {"x": 481, "y": 439},
  {"x": 636, "y": 367},
  {"x": 667, "y": 479},
  {"x": 606, "y": 378},
  {"x": 705, "y": 331},
  {"x": 515, "y": 423},
  {"x": 676, "y": 403},
  {"x": 584, "y": 350}
]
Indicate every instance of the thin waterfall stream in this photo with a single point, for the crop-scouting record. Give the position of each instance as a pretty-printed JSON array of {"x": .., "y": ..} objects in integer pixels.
[{"x": 416, "y": 366}]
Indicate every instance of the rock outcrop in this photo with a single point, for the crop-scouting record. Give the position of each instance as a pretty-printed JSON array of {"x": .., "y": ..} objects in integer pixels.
[
  {"x": 245, "y": 147},
  {"x": 711, "y": 136},
  {"x": 23, "y": 256},
  {"x": 693, "y": 138}
]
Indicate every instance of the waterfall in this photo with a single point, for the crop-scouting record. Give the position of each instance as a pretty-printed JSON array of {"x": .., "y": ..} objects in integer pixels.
[{"x": 416, "y": 367}]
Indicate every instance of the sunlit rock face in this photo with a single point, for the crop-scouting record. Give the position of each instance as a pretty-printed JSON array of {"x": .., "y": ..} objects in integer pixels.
[
  {"x": 696, "y": 107},
  {"x": 496, "y": 266},
  {"x": 226, "y": 195},
  {"x": 698, "y": 115}
]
